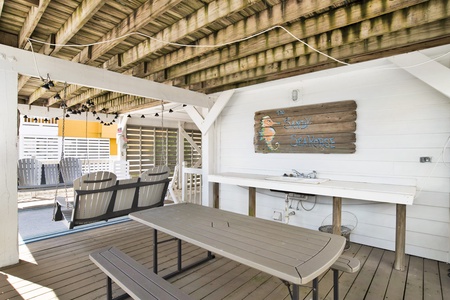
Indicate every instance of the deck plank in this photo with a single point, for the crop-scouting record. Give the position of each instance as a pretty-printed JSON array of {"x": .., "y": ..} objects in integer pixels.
[
  {"x": 431, "y": 285},
  {"x": 444, "y": 274},
  {"x": 59, "y": 268},
  {"x": 362, "y": 283},
  {"x": 380, "y": 281},
  {"x": 397, "y": 281},
  {"x": 414, "y": 279}
]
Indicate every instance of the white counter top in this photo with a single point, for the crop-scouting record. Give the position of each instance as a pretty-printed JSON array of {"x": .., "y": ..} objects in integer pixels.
[{"x": 387, "y": 193}]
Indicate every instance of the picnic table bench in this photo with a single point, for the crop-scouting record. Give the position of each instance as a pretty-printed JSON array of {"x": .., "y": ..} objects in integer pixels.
[{"x": 135, "y": 279}]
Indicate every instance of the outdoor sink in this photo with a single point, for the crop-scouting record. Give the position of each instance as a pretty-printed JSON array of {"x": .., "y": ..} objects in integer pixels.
[{"x": 298, "y": 179}]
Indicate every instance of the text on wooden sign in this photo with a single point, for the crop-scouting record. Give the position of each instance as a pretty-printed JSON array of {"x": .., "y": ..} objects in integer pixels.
[{"x": 318, "y": 128}]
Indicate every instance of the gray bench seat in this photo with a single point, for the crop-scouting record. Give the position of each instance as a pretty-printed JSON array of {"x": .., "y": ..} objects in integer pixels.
[
  {"x": 136, "y": 280},
  {"x": 344, "y": 264}
]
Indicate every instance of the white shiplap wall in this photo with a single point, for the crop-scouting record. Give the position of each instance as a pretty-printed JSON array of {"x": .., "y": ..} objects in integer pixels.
[{"x": 400, "y": 119}]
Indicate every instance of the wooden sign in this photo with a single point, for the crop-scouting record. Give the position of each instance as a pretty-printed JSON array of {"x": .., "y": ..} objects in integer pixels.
[{"x": 318, "y": 128}]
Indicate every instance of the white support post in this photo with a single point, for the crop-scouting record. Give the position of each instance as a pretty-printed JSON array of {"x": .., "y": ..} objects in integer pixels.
[
  {"x": 120, "y": 140},
  {"x": 9, "y": 249}
]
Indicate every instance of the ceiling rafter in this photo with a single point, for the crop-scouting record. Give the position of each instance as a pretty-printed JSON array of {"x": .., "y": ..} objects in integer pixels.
[
  {"x": 360, "y": 50},
  {"x": 127, "y": 103},
  {"x": 284, "y": 49},
  {"x": 216, "y": 10},
  {"x": 242, "y": 56},
  {"x": 31, "y": 21},
  {"x": 283, "y": 13},
  {"x": 349, "y": 30},
  {"x": 200, "y": 19},
  {"x": 146, "y": 13},
  {"x": 143, "y": 15},
  {"x": 81, "y": 16},
  {"x": 286, "y": 9}
]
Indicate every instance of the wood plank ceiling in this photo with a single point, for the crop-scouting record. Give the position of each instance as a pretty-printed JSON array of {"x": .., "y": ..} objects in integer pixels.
[{"x": 132, "y": 37}]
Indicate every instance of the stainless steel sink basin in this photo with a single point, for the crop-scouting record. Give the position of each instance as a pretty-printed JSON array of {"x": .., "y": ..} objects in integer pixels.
[{"x": 298, "y": 179}]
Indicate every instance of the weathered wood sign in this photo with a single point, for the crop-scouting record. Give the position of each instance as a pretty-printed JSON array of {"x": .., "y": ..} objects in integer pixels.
[{"x": 318, "y": 128}]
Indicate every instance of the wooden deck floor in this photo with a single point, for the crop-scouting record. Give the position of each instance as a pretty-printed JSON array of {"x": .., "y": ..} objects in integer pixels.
[{"x": 59, "y": 268}]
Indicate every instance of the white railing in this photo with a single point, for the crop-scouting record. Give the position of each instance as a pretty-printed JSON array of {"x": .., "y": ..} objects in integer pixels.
[
  {"x": 191, "y": 185},
  {"x": 119, "y": 167}
]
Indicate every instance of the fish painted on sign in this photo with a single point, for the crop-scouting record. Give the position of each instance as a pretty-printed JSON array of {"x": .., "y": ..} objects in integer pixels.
[{"x": 267, "y": 132}]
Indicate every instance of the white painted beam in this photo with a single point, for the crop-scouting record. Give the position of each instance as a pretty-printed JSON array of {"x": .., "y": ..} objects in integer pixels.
[
  {"x": 205, "y": 123},
  {"x": 424, "y": 68},
  {"x": 195, "y": 116},
  {"x": 23, "y": 62},
  {"x": 190, "y": 140},
  {"x": 216, "y": 110}
]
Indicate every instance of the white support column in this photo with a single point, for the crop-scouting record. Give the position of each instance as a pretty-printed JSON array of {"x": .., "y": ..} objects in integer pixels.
[
  {"x": 208, "y": 166},
  {"x": 120, "y": 137},
  {"x": 9, "y": 250}
]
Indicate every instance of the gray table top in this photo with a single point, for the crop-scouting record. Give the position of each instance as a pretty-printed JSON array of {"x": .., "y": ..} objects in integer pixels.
[{"x": 292, "y": 253}]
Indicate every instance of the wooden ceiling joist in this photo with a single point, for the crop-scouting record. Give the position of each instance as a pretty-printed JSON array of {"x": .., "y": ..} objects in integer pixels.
[
  {"x": 82, "y": 14},
  {"x": 185, "y": 27},
  {"x": 348, "y": 30},
  {"x": 31, "y": 21},
  {"x": 281, "y": 45},
  {"x": 147, "y": 12},
  {"x": 373, "y": 39}
]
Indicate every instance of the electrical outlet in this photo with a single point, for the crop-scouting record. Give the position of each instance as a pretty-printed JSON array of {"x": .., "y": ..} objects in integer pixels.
[
  {"x": 425, "y": 159},
  {"x": 277, "y": 215}
]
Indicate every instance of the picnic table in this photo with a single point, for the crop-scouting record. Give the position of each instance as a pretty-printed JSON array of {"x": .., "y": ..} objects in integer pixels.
[{"x": 293, "y": 254}]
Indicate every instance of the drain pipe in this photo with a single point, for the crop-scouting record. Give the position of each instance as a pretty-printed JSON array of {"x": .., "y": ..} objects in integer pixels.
[{"x": 287, "y": 213}]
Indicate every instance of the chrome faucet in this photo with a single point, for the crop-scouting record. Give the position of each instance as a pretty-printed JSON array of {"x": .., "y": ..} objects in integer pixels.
[
  {"x": 312, "y": 175},
  {"x": 297, "y": 173}
]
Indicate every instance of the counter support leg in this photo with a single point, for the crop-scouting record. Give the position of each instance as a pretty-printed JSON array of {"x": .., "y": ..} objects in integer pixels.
[
  {"x": 216, "y": 199},
  {"x": 252, "y": 201},
  {"x": 337, "y": 213},
  {"x": 400, "y": 235}
]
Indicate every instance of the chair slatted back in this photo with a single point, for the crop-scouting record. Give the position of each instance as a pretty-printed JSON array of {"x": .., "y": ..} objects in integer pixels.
[
  {"x": 29, "y": 172},
  {"x": 125, "y": 197},
  {"x": 70, "y": 169},
  {"x": 93, "y": 204},
  {"x": 154, "y": 194},
  {"x": 51, "y": 173}
]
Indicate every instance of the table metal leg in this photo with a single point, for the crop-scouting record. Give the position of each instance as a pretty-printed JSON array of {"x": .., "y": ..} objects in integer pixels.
[
  {"x": 155, "y": 251},
  {"x": 295, "y": 292},
  {"x": 315, "y": 290},
  {"x": 335, "y": 284},
  {"x": 108, "y": 288},
  {"x": 180, "y": 268},
  {"x": 179, "y": 255}
]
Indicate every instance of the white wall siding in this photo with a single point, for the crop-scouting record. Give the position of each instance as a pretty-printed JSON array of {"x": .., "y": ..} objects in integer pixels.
[{"x": 400, "y": 119}]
